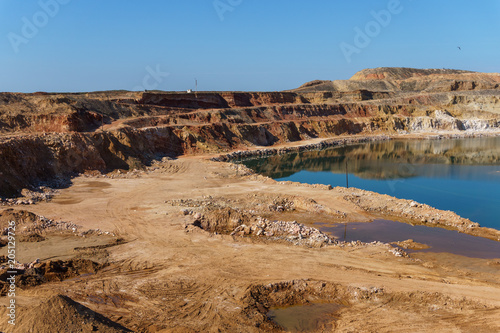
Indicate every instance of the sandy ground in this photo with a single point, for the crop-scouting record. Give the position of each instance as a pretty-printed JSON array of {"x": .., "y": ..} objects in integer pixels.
[{"x": 171, "y": 276}]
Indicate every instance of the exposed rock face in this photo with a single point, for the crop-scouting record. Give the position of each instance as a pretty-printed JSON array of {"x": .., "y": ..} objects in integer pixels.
[
  {"x": 408, "y": 80},
  {"x": 219, "y": 100},
  {"x": 29, "y": 159},
  {"x": 58, "y": 135},
  {"x": 401, "y": 73},
  {"x": 441, "y": 120}
]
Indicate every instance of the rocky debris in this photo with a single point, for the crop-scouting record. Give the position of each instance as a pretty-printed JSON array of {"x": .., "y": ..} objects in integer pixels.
[
  {"x": 236, "y": 223},
  {"x": 407, "y": 209},
  {"x": 31, "y": 197},
  {"x": 125, "y": 174},
  {"x": 219, "y": 220},
  {"x": 233, "y": 216},
  {"x": 318, "y": 186},
  {"x": 257, "y": 153},
  {"x": 293, "y": 232},
  {"x": 33, "y": 263},
  {"x": 205, "y": 202},
  {"x": 260, "y": 204},
  {"x": 221, "y": 216},
  {"x": 243, "y": 224},
  {"x": 119, "y": 174},
  {"x": 242, "y": 170},
  {"x": 161, "y": 162},
  {"x": 312, "y": 206},
  {"x": 411, "y": 245},
  {"x": 495, "y": 263},
  {"x": 398, "y": 252},
  {"x": 29, "y": 223},
  {"x": 32, "y": 228},
  {"x": 282, "y": 205},
  {"x": 31, "y": 238},
  {"x": 385, "y": 246},
  {"x": 94, "y": 232},
  {"x": 37, "y": 272},
  {"x": 444, "y": 121}
]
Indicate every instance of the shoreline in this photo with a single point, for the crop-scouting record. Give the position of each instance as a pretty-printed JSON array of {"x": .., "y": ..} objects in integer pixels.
[
  {"x": 458, "y": 223},
  {"x": 258, "y": 151}
]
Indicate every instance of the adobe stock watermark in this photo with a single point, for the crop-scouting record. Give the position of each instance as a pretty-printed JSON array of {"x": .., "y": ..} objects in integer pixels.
[
  {"x": 224, "y": 6},
  {"x": 373, "y": 28},
  {"x": 404, "y": 172},
  {"x": 152, "y": 79},
  {"x": 31, "y": 26},
  {"x": 12, "y": 271}
]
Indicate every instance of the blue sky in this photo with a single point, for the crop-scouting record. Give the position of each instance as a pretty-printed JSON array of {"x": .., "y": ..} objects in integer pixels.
[{"x": 258, "y": 45}]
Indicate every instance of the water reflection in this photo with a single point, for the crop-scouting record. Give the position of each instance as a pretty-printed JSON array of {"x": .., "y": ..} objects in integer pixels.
[
  {"x": 305, "y": 318},
  {"x": 393, "y": 159},
  {"x": 438, "y": 240},
  {"x": 461, "y": 175}
]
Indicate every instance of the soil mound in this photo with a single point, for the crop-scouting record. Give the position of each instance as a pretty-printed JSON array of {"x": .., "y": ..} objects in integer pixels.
[{"x": 62, "y": 314}]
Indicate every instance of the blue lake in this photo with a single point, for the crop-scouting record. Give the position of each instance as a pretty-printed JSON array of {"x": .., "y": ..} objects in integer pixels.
[{"x": 461, "y": 175}]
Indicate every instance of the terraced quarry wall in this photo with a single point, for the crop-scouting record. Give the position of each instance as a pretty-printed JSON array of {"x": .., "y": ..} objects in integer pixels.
[{"x": 46, "y": 136}]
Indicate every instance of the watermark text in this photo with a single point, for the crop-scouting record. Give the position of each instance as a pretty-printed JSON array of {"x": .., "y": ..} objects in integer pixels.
[{"x": 32, "y": 26}]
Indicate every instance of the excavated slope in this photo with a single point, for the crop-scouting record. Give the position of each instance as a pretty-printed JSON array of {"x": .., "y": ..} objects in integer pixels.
[
  {"x": 62, "y": 314},
  {"x": 45, "y": 136},
  {"x": 408, "y": 80}
]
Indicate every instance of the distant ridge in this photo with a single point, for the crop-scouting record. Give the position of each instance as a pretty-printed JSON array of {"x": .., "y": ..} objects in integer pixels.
[
  {"x": 401, "y": 79},
  {"x": 402, "y": 73}
]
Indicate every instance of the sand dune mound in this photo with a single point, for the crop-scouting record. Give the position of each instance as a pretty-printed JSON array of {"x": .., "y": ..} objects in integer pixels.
[
  {"x": 404, "y": 80},
  {"x": 62, "y": 314}
]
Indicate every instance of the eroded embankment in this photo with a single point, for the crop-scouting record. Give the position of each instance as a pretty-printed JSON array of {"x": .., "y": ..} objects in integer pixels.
[
  {"x": 28, "y": 160},
  {"x": 172, "y": 125},
  {"x": 138, "y": 127}
]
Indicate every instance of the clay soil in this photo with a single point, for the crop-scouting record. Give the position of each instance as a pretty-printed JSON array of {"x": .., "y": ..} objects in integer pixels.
[{"x": 168, "y": 274}]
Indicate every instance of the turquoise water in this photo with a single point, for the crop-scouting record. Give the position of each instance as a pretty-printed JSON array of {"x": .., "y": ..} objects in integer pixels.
[{"x": 461, "y": 175}]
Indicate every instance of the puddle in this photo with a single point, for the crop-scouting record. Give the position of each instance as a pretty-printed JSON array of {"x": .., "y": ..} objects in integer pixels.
[
  {"x": 305, "y": 318},
  {"x": 438, "y": 239}
]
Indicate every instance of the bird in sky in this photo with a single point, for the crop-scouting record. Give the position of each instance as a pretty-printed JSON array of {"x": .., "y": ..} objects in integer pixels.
[{"x": 459, "y": 48}]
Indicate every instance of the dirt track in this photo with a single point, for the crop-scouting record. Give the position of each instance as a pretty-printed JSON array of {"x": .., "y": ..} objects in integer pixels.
[{"x": 171, "y": 276}]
